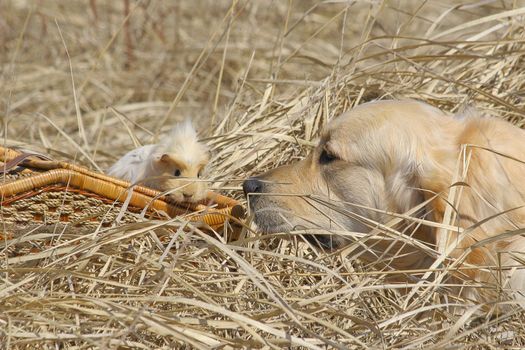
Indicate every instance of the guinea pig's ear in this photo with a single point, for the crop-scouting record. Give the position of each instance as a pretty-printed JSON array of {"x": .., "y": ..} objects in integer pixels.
[{"x": 161, "y": 158}]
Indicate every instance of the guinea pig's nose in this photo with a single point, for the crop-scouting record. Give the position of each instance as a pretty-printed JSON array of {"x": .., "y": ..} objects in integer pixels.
[
  {"x": 252, "y": 185},
  {"x": 187, "y": 195}
]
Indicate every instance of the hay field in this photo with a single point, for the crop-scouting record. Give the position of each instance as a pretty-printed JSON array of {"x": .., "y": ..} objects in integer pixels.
[{"x": 86, "y": 81}]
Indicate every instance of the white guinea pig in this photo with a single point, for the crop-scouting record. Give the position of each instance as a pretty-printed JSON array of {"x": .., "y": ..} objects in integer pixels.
[{"x": 175, "y": 164}]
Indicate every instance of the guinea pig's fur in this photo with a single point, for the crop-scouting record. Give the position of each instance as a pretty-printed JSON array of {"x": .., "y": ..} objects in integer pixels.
[{"x": 175, "y": 164}]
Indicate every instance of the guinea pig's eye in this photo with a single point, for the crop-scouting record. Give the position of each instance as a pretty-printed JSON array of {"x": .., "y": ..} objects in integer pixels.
[
  {"x": 199, "y": 174},
  {"x": 177, "y": 172},
  {"x": 326, "y": 157}
]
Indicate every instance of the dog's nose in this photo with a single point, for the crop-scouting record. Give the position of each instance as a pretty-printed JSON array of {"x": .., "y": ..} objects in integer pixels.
[{"x": 252, "y": 185}]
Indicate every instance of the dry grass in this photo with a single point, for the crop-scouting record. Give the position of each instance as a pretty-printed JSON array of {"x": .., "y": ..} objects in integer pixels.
[{"x": 87, "y": 80}]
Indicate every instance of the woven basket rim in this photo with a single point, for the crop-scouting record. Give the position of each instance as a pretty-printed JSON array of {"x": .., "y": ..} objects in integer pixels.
[{"x": 63, "y": 173}]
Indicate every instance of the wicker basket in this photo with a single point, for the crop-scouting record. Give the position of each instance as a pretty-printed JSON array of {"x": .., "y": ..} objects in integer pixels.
[{"x": 35, "y": 190}]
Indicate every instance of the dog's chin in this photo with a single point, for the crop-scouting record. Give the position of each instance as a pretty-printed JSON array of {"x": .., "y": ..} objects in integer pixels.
[{"x": 268, "y": 220}]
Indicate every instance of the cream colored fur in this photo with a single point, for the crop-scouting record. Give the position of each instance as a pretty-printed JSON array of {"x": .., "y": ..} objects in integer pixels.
[
  {"x": 393, "y": 156},
  {"x": 175, "y": 165}
]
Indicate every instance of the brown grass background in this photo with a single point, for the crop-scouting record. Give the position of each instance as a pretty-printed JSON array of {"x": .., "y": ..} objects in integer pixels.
[{"x": 85, "y": 81}]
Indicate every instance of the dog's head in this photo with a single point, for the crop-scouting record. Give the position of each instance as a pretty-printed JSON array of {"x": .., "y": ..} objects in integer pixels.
[
  {"x": 386, "y": 162},
  {"x": 369, "y": 161}
]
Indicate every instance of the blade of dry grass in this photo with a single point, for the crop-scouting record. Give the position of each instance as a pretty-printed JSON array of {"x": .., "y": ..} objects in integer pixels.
[{"x": 163, "y": 284}]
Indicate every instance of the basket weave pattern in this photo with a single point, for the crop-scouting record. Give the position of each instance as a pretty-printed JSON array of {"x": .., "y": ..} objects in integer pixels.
[
  {"x": 52, "y": 207},
  {"x": 50, "y": 192}
]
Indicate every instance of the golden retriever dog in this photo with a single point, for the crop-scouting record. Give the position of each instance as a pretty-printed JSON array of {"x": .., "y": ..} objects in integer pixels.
[{"x": 443, "y": 191}]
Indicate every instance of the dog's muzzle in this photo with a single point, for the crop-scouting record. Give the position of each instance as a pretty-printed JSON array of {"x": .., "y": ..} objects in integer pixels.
[{"x": 252, "y": 185}]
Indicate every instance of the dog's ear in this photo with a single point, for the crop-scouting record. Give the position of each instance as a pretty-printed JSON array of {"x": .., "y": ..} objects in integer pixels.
[
  {"x": 403, "y": 190},
  {"x": 433, "y": 187},
  {"x": 409, "y": 197},
  {"x": 403, "y": 184}
]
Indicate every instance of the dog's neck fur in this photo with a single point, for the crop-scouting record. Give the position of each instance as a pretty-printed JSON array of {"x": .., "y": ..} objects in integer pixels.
[
  {"x": 458, "y": 162},
  {"x": 480, "y": 188}
]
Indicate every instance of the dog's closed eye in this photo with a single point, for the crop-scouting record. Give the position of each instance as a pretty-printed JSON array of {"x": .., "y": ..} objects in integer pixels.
[{"x": 327, "y": 157}]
